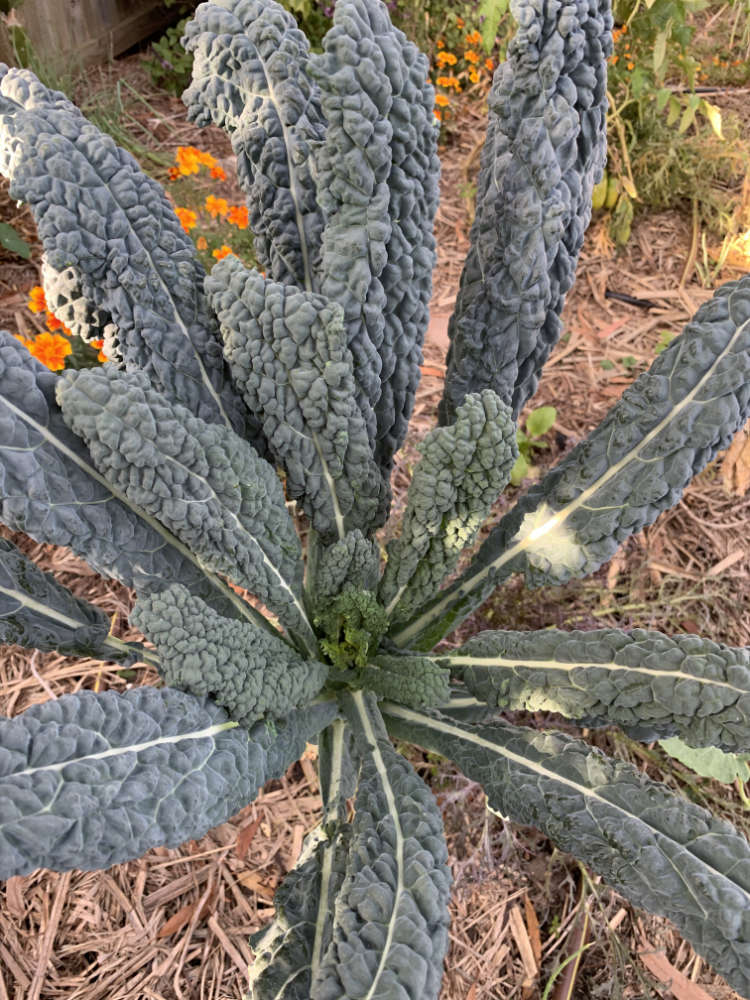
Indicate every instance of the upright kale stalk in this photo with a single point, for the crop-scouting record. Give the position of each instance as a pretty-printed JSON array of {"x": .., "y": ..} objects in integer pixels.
[{"x": 160, "y": 468}]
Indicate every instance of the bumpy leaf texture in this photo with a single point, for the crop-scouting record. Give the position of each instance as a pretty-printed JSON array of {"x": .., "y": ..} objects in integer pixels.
[
  {"x": 377, "y": 172},
  {"x": 544, "y": 151},
  {"x": 88, "y": 780},
  {"x": 250, "y": 78},
  {"x": 244, "y": 669},
  {"x": 662, "y": 852},
  {"x": 99, "y": 214},
  {"x": 390, "y": 928},
  {"x": 38, "y": 612},
  {"x": 651, "y": 684},
  {"x": 288, "y": 356},
  {"x": 202, "y": 481},
  {"x": 352, "y": 561},
  {"x": 461, "y": 473},
  {"x": 51, "y": 489},
  {"x": 410, "y": 680},
  {"x": 289, "y": 950},
  {"x": 666, "y": 427}
]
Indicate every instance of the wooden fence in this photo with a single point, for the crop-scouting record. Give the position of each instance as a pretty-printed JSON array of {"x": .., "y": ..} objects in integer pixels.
[{"x": 76, "y": 33}]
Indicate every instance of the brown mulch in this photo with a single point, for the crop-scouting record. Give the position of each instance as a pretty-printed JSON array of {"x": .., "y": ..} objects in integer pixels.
[{"x": 174, "y": 925}]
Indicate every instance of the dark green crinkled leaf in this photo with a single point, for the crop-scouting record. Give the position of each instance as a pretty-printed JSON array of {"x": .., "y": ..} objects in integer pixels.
[
  {"x": 89, "y": 780},
  {"x": 249, "y": 77},
  {"x": 351, "y": 169},
  {"x": 650, "y": 684},
  {"x": 287, "y": 353},
  {"x": 244, "y": 669},
  {"x": 290, "y": 948},
  {"x": 544, "y": 151},
  {"x": 352, "y": 561},
  {"x": 98, "y": 213},
  {"x": 657, "y": 849},
  {"x": 286, "y": 953},
  {"x": 51, "y": 489},
  {"x": 390, "y": 928},
  {"x": 417, "y": 681},
  {"x": 666, "y": 427},
  {"x": 413, "y": 187},
  {"x": 202, "y": 481},
  {"x": 462, "y": 471},
  {"x": 38, "y": 612}
]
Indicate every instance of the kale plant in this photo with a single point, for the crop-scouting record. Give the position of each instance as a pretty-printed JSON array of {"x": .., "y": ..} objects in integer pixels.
[{"x": 173, "y": 467}]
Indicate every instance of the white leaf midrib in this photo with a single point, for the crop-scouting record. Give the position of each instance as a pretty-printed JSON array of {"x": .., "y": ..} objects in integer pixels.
[
  {"x": 465, "y": 585},
  {"x": 470, "y": 737},
  {"x": 358, "y": 699},
  {"x": 528, "y": 664},
  {"x": 116, "y": 751},
  {"x": 246, "y": 610}
]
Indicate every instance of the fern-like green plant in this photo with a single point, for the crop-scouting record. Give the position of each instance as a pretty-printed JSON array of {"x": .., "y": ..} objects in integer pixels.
[{"x": 160, "y": 468}]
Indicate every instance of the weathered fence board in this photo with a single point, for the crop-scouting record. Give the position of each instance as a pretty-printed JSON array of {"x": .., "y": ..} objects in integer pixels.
[{"x": 86, "y": 31}]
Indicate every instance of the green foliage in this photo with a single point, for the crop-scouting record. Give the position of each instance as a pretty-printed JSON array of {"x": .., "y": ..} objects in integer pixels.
[
  {"x": 462, "y": 471},
  {"x": 10, "y": 240},
  {"x": 244, "y": 669},
  {"x": 169, "y": 65},
  {"x": 538, "y": 423},
  {"x": 351, "y": 625},
  {"x": 709, "y": 762},
  {"x": 668, "y": 141},
  {"x": 164, "y": 469}
]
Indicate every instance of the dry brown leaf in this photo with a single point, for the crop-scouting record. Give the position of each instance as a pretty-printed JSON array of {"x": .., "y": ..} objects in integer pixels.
[
  {"x": 245, "y": 837},
  {"x": 184, "y": 915},
  {"x": 659, "y": 966},
  {"x": 532, "y": 925},
  {"x": 253, "y": 882},
  {"x": 735, "y": 469},
  {"x": 523, "y": 943}
]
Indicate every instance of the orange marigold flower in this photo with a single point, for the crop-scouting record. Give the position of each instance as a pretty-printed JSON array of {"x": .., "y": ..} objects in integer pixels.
[
  {"x": 631, "y": 65},
  {"x": 206, "y": 159},
  {"x": 37, "y": 302},
  {"x": 441, "y": 100},
  {"x": 98, "y": 345},
  {"x": 474, "y": 76},
  {"x": 52, "y": 350},
  {"x": 460, "y": 22},
  {"x": 216, "y": 206},
  {"x": 187, "y": 217},
  {"x": 440, "y": 43},
  {"x": 446, "y": 59},
  {"x": 238, "y": 216},
  {"x": 173, "y": 173},
  {"x": 222, "y": 252},
  {"x": 443, "y": 81},
  {"x": 489, "y": 64},
  {"x": 438, "y": 114},
  {"x": 187, "y": 159},
  {"x": 54, "y": 324},
  {"x": 218, "y": 173},
  {"x": 201, "y": 243},
  {"x": 471, "y": 57}
]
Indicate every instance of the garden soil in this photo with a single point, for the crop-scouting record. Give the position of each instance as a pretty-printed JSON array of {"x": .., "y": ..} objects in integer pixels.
[{"x": 528, "y": 920}]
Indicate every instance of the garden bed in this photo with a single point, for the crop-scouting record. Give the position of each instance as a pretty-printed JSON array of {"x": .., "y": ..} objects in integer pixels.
[{"x": 175, "y": 923}]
